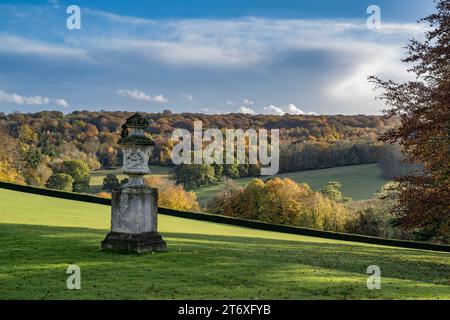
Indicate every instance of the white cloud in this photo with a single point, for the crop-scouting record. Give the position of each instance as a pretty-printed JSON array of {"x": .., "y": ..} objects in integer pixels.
[
  {"x": 119, "y": 18},
  {"x": 240, "y": 42},
  {"x": 246, "y": 110},
  {"x": 159, "y": 98},
  {"x": 61, "y": 102},
  {"x": 134, "y": 94},
  {"x": 290, "y": 109},
  {"x": 353, "y": 83},
  {"x": 211, "y": 111},
  {"x": 248, "y": 102},
  {"x": 246, "y": 42},
  {"x": 142, "y": 96},
  {"x": 230, "y": 103},
  {"x": 188, "y": 97},
  {"x": 30, "y": 100},
  {"x": 17, "y": 45},
  {"x": 274, "y": 110}
]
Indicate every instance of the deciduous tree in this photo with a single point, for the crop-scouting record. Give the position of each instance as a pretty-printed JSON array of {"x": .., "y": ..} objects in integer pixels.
[
  {"x": 60, "y": 181},
  {"x": 423, "y": 107}
]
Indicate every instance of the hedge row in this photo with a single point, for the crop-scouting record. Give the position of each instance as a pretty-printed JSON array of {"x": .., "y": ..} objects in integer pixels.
[
  {"x": 235, "y": 221},
  {"x": 55, "y": 193},
  {"x": 304, "y": 231}
]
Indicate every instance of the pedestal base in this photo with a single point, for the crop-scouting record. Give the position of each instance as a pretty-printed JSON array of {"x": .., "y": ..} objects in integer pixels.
[{"x": 139, "y": 243}]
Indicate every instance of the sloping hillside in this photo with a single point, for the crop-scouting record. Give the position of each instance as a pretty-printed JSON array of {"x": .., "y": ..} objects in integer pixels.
[
  {"x": 41, "y": 236},
  {"x": 359, "y": 182}
]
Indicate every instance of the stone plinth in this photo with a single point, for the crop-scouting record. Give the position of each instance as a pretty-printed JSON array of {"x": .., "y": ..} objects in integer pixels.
[
  {"x": 134, "y": 208},
  {"x": 134, "y": 212}
]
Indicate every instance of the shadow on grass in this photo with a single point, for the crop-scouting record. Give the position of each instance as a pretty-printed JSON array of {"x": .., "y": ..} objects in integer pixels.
[{"x": 201, "y": 266}]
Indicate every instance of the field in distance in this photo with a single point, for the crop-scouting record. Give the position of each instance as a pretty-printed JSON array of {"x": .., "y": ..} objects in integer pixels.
[
  {"x": 41, "y": 236},
  {"x": 359, "y": 182}
]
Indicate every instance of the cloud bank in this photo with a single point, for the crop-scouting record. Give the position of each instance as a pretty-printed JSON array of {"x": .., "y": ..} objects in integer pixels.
[
  {"x": 246, "y": 110},
  {"x": 319, "y": 64},
  {"x": 289, "y": 109},
  {"x": 17, "y": 99}
]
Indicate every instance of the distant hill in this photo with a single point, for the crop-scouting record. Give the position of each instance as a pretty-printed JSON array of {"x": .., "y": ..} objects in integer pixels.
[{"x": 33, "y": 145}]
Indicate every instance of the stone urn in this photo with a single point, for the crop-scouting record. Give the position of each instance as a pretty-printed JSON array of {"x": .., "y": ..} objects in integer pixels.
[{"x": 134, "y": 207}]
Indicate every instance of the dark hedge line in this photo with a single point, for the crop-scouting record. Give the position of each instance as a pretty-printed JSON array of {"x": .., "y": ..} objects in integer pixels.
[
  {"x": 55, "y": 193},
  {"x": 235, "y": 221}
]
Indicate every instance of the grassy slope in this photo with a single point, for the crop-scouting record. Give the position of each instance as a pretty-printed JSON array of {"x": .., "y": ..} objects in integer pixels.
[
  {"x": 358, "y": 182},
  {"x": 40, "y": 236}
]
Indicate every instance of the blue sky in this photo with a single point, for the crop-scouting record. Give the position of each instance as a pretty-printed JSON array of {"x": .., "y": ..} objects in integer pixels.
[{"x": 202, "y": 56}]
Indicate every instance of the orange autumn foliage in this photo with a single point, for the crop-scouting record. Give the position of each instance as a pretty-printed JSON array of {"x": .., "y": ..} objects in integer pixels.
[
  {"x": 171, "y": 195},
  {"x": 281, "y": 201}
]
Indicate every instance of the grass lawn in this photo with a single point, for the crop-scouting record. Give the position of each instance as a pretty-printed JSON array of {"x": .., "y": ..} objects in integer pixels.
[
  {"x": 41, "y": 236},
  {"x": 359, "y": 182},
  {"x": 98, "y": 176}
]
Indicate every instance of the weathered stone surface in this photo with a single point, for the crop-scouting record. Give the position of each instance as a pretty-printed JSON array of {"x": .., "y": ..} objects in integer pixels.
[
  {"x": 134, "y": 210},
  {"x": 135, "y": 160},
  {"x": 134, "y": 221},
  {"x": 139, "y": 243}
]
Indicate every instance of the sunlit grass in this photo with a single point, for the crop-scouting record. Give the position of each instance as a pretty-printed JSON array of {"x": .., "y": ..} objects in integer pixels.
[{"x": 41, "y": 236}]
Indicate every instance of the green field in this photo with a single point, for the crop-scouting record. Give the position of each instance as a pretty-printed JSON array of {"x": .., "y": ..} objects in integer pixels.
[
  {"x": 359, "y": 182},
  {"x": 41, "y": 236}
]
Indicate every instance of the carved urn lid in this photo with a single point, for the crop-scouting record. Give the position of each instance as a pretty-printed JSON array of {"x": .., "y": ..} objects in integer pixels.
[
  {"x": 133, "y": 132},
  {"x": 136, "y": 121}
]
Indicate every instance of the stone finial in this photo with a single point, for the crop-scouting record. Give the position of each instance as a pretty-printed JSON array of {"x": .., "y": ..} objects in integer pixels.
[
  {"x": 136, "y": 121},
  {"x": 133, "y": 132}
]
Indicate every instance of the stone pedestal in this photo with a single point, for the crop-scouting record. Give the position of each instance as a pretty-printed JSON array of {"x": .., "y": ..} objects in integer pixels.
[
  {"x": 134, "y": 207},
  {"x": 134, "y": 211}
]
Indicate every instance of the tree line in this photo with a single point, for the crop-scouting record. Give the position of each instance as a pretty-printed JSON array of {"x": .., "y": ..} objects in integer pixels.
[{"x": 36, "y": 145}]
